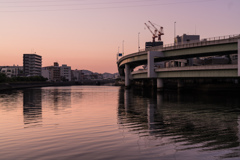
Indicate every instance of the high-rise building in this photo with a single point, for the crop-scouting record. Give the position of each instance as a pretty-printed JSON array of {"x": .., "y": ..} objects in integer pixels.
[{"x": 32, "y": 64}]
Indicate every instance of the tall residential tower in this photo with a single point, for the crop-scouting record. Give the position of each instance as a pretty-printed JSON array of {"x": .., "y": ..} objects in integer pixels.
[{"x": 32, "y": 64}]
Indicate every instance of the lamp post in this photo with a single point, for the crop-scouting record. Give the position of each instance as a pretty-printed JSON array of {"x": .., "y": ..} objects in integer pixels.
[
  {"x": 123, "y": 47},
  {"x": 138, "y": 42},
  {"x": 174, "y": 32}
]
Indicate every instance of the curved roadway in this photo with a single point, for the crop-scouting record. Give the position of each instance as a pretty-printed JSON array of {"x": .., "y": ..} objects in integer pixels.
[{"x": 214, "y": 46}]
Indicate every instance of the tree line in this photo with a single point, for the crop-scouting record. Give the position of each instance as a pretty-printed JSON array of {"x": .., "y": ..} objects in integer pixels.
[{"x": 5, "y": 79}]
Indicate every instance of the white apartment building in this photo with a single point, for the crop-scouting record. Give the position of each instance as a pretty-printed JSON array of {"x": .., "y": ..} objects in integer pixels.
[
  {"x": 65, "y": 71},
  {"x": 11, "y": 71}
]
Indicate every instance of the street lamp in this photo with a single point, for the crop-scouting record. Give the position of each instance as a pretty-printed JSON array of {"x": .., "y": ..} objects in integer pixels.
[
  {"x": 174, "y": 32},
  {"x": 138, "y": 42},
  {"x": 123, "y": 47}
]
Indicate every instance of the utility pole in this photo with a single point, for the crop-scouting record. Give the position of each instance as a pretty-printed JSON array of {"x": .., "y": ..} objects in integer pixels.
[{"x": 138, "y": 42}]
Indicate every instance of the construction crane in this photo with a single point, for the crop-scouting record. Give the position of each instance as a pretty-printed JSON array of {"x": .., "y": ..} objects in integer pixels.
[
  {"x": 153, "y": 33},
  {"x": 160, "y": 31},
  {"x": 157, "y": 32}
]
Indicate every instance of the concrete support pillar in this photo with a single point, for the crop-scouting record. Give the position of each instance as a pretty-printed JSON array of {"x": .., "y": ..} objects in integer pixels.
[
  {"x": 151, "y": 56},
  {"x": 238, "y": 57},
  {"x": 182, "y": 64},
  {"x": 127, "y": 75},
  {"x": 180, "y": 83},
  {"x": 151, "y": 72},
  {"x": 159, "y": 84},
  {"x": 190, "y": 61}
]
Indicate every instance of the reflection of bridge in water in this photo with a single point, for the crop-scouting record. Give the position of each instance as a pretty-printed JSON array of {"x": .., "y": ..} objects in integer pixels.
[
  {"x": 203, "y": 122},
  {"x": 184, "y": 55}
]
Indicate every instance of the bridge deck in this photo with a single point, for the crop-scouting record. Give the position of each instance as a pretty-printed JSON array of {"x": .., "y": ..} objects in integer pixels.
[{"x": 191, "y": 71}]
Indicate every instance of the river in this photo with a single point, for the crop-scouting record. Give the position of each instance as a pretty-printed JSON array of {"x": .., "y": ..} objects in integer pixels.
[{"x": 109, "y": 122}]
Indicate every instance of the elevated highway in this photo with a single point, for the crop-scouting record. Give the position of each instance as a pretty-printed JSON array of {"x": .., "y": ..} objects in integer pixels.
[{"x": 217, "y": 46}]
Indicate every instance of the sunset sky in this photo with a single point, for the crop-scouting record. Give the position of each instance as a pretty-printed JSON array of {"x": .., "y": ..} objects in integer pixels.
[{"x": 86, "y": 34}]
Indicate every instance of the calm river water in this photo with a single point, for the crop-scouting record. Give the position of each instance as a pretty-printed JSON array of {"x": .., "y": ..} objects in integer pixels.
[{"x": 107, "y": 122}]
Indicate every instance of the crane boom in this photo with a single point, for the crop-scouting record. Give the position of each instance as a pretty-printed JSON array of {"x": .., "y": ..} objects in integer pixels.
[
  {"x": 154, "y": 34},
  {"x": 160, "y": 30},
  {"x": 153, "y": 26},
  {"x": 149, "y": 28},
  {"x": 157, "y": 32}
]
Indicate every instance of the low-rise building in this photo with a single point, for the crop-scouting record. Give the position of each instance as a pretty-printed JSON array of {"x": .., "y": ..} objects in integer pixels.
[
  {"x": 65, "y": 72},
  {"x": 12, "y": 71},
  {"x": 186, "y": 39},
  {"x": 46, "y": 73},
  {"x": 77, "y": 75},
  {"x": 54, "y": 72}
]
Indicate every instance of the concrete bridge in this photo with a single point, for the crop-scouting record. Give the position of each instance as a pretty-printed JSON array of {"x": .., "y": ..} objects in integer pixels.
[{"x": 183, "y": 54}]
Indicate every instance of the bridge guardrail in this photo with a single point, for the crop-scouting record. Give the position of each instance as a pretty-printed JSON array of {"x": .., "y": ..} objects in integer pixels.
[{"x": 205, "y": 41}]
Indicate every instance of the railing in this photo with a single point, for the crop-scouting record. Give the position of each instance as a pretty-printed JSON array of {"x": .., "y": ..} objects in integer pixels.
[
  {"x": 193, "y": 43},
  {"x": 205, "y": 41}
]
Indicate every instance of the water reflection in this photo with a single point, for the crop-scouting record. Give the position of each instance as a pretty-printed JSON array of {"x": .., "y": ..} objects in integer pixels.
[
  {"x": 106, "y": 122},
  {"x": 57, "y": 98},
  {"x": 32, "y": 107},
  {"x": 9, "y": 100},
  {"x": 190, "y": 122}
]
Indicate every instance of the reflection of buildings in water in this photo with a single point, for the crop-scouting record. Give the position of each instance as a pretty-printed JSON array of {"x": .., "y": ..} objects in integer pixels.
[
  {"x": 32, "y": 106},
  {"x": 57, "y": 98},
  {"x": 199, "y": 120},
  {"x": 62, "y": 99},
  {"x": 10, "y": 100}
]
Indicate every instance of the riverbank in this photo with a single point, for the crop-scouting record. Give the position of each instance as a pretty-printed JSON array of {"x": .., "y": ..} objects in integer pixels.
[{"x": 23, "y": 85}]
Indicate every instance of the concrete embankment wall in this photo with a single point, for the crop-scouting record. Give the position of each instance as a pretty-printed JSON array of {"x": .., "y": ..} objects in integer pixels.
[
  {"x": 22, "y": 85},
  {"x": 9, "y": 86}
]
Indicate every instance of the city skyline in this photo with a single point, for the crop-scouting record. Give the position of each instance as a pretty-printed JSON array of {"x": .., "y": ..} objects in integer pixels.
[{"x": 88, "y": 34}]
